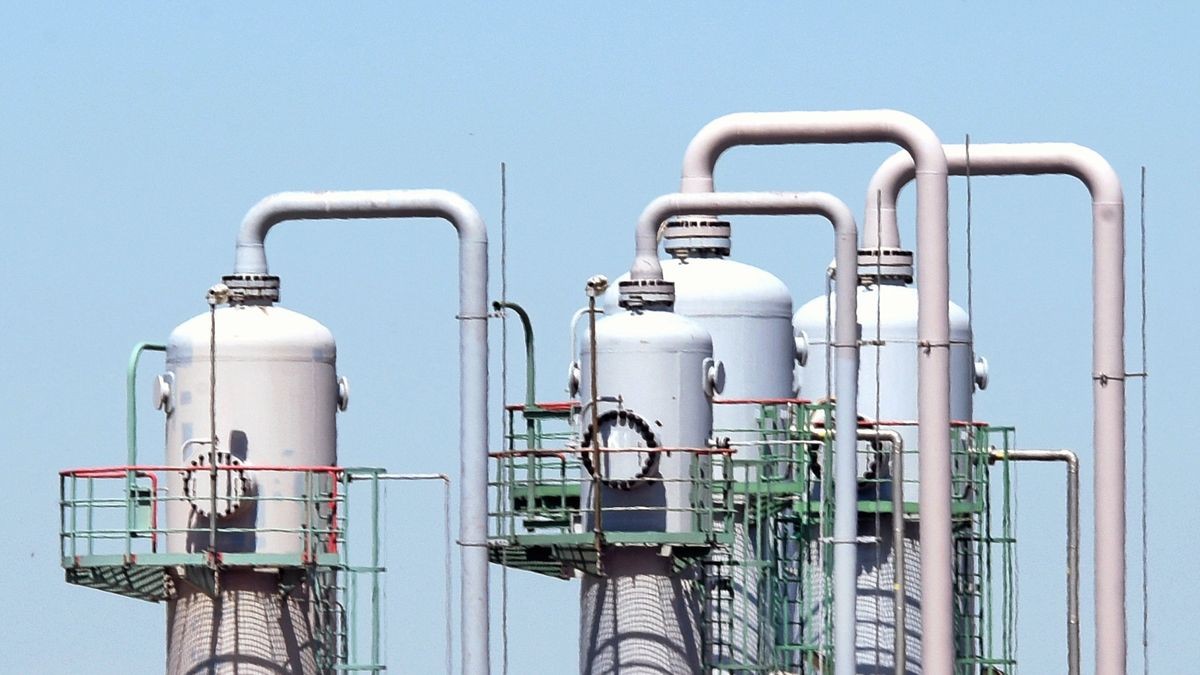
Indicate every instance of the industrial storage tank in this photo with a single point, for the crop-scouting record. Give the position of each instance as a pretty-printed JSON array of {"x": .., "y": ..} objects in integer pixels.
[
  {"x": 655, "y": 377},
  {"x": 277, "y": 394},
  {"x": 887, "y": 315},
  {"x": 746, "y": 310},
  {"x": 748, "y": 313}
]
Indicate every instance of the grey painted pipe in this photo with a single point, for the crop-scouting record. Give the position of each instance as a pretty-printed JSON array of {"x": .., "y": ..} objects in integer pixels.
[
  {"x": 933, "y": 332},
  {"x": 1108, "y": 339},
  {"x": 473, "y": 354},
  {"x": 899, "y": 599},
  {"x": 1072, "y": 462},
  {"x": 845, "y": 347}
]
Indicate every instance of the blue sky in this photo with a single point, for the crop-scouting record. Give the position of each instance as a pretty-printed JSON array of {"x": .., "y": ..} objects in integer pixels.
[{"x": 134, "y": 137}]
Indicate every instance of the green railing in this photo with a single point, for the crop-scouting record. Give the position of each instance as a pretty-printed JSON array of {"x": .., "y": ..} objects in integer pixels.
[
  {"x": 540, "y": 519},
  {"x": 763, "y": 514},
  {"x": 115, "y": 535},
  {"x": 782, "y": 555}
]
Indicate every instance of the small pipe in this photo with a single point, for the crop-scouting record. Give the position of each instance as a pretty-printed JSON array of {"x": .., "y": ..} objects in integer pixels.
[
  {"x": 530, "y": 369},
  {"x": 131, "y": 426},
  {"x": 933, "y": 330},
  {"x": 900, "y": 658},
  {"x": 1108, "y": 339},
  {"x": 473, "y": 356},
  {"x": 845, "y": 528},
  {"x": 595, "y": 286},
  {"x": 131, "y": 397},
  {"x": 1072, "y": 462},
  {"x": 579, "y": 314}
]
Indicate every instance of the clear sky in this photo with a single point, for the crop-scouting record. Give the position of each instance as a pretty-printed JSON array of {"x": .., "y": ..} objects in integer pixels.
[{"x": 134, "y": 136}]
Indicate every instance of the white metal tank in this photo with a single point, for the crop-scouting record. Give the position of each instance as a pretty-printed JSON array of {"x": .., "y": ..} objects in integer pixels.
[
  {"x": 655, "y": 377},
  {"x": 277, "y": 395},
  {"x": 895, "y": 305},
  {"x": 887, "y": 391},
  {"x": 746, "y": 310},
  {"x": 653, "y": 368},
  {"x": 748, "y": 313}
]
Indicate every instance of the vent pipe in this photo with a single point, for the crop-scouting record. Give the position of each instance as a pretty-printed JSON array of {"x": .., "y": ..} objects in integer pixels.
[
  {"x": 1108, "y": 336},
  {"x": 250, "y": 271},
  {"x": 870, "y": 126}
]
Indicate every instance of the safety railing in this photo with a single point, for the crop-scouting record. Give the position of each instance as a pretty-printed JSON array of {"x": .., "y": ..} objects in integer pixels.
[
  {"x": 768, "y": 599},
  {"x": 550, "y": 511},
  {"x": 546, "y": 515},
  {"x": 137, "y": 530},
  {"x": 133, "y": 514}
]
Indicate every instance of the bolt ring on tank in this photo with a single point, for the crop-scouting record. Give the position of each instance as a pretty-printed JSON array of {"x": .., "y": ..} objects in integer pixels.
[
  {"x": 231, "y": 484},
  {"x": 649, "y": 466}
]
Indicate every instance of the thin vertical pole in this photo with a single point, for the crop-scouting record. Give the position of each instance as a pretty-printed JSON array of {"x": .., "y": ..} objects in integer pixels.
[
  {"x": 1145, "y": 454},
  {"x": 375, "y": 651}
]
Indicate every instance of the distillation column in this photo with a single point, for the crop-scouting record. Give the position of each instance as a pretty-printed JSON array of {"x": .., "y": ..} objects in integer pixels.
[{"x": 274, "y": 396}]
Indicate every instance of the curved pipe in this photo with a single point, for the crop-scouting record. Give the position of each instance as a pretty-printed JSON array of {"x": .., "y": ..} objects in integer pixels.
[
  {"x": 473, "y": 355},
  {"x": 845, "y": 526},
  {"x": 1072, "y": 462},
  {"x": 933, "y": 331},
  {"x": 1108, "y": 339},
  {"x": 131, "y": 397},
  {"x": 527, "y": 328}
]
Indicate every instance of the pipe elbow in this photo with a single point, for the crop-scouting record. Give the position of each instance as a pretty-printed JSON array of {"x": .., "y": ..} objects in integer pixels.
[
  {"x": 919, "y": 139},
  {"x": 460, "y": 213},
  {"x": 837, "y": 212},
  {"x": 250, "y": 255},
  {"x": 880, "y": 228},
  {"x": 1096, "y": 173},
  {"x": 645, "y": 268},
  {"x": 645, "y": 263},
  {"x": 700, "y": 157}
]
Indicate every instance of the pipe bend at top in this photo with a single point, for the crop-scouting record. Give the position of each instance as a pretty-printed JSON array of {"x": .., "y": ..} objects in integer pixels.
[
  {"x": 785, "y": 128},
  {"x": 933, "y": 328},
  {"x": 350, "y": 204},
  {"x": 987, "y": 159},
  {"x": 646, "y": 264},
  {"x": 473, "y": 356}
]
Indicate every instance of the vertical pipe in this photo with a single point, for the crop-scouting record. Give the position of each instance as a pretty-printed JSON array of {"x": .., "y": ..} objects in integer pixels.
[
  {"x": 1072, "y": 462},
  {"x": 131, "y": 398},
  {"x": 1108, "y": 340},
  {"x": 531, "y": 425},
  {"x": 933, "y": 327},
  {"x": 473, "y": 356},
  {"x": 846, "y": 355},
  {"x": 898, "y": 598},
  {"x": 375, "y": 654},
  {"x": 530, "y": 369},
  {"x": 131, "y": 434},
  {"x": 595, "y": 286},
  {"x": 1073, "y": 565}
]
